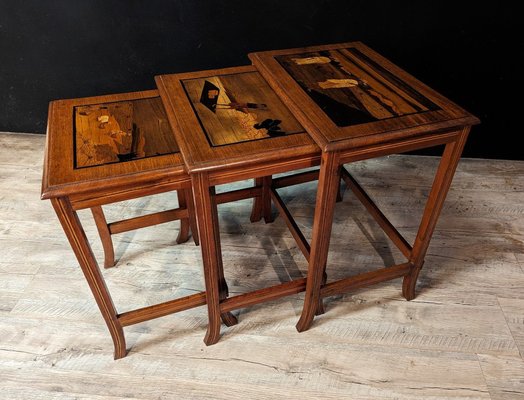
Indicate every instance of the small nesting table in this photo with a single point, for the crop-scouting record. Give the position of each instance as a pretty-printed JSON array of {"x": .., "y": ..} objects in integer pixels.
[
  {"x": 357, "y": 105},
  {"x": 106, "y": 149}
]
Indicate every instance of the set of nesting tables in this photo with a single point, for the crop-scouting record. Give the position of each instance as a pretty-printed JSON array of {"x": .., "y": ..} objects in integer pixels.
[{"x": 292, "y": 109}]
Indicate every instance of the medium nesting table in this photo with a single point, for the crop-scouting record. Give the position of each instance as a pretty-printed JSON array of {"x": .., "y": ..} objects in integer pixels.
[
  {"x": 357, "y": 105},
  {"x": 231, "y": 126}
]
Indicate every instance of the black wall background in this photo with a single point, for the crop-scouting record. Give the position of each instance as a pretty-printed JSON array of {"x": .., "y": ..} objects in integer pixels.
[{"x": 55, "y": 49}]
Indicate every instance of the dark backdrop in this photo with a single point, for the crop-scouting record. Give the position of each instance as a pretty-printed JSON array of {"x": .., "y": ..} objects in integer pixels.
[{"x": 63, "y": 48}]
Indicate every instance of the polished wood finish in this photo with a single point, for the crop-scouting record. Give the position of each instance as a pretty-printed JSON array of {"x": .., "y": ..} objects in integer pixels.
[
  {"x": 302, "y": 242},
  {"x": 358, "y": 105},
  {"x": 160, "y": 310},
  {"x": 210, "y": 245},
  {"x": 295, "y": 179},
  {"x": 185, "y": 223},
  {"x": 263, "y": 295},
  {"x": 239, "y": 194},
  {"x": 147, "y": 220},
  {"x": 120, "y": 131},
  {"x": 61, "y": 177},
  {"x": 188, "y": 202},
  {"x": 246, "y": 122},
  {"x": 366, "y": 279},
  {"x": 223, "y": 126},
  {"x": 90, "y": 185},
  {"x": 439, "y": 189},
  {"x": 256, "y": 210}
]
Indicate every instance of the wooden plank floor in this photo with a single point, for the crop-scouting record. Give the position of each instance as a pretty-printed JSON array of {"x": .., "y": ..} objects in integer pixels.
[{"x": 461, "y": 338}]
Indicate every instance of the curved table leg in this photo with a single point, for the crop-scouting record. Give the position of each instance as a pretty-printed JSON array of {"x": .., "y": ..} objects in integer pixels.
[
  {"x": 205, "y": 205},
  {"x": 328, "y": 187},
  {"x": 439, "y": 190},
  {"x": 227, "y": 318},
  {"x": 105, "y": 236},
  {"x": 78, "y": 240},
  {"x": 320, "y": 307},
  {"x": 339, "y": 192}
]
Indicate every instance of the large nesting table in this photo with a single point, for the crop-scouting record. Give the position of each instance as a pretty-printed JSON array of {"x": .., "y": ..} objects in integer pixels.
[{"x": 358, "y": 105}]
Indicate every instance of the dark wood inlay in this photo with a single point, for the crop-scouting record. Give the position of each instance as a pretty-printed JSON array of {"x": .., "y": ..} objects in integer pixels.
[
  {"x": 237, "y": 108},
  {"x": 351, "y": 88}
]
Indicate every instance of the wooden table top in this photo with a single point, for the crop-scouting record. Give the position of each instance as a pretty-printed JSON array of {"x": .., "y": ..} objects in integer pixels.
[
  {"x": 230, "y": 117},
  {"x": 346, "y": 95},
  {"x": 98, "y": 142}
]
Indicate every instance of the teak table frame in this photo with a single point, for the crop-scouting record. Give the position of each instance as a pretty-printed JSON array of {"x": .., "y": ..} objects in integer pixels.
[{"x": 402, "y": 115}]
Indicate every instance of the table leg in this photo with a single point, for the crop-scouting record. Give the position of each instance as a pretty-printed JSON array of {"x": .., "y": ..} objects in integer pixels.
[
  {"x": 442, "y": 182},
  {"x": 227, "y": 318},
  {"x": 105, "y": 236},
  {"x": 266, "y": 199},
  {"x": 262, "y": 204},
  {"x": 256, "y": 211},
  {"x": 320, "y": 305},
  {"x": 192, "y": 215},
  {"x": 78, "y": 240},
  {"x": 207, "y": 220},
  {"x": 339, "y": 192},
  {"x": 328, "y": 186},
  {"x": 190, "y": 204},
  {"x": 183, "y": 233}
]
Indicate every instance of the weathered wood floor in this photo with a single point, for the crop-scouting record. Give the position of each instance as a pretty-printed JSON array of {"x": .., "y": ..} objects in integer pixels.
[{"x": 461, "y": 338}]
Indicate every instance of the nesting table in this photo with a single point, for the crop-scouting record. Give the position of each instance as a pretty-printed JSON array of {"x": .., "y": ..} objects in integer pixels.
[
  {"x": 225, "y": 141},
  {"x": 357, "y": 105},
  {"x": 106, "y": 149},
  {"x": 292, "y": 109}
]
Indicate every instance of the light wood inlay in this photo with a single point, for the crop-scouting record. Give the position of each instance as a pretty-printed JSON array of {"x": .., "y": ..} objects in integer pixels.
[{"x": 121, "y": 131}]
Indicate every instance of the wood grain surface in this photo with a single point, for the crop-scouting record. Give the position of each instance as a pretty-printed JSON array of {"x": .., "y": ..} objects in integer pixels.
[
  {"x": 121, "y": 131},
  {"x": 227, "y": 125},
  {"x": 351, "y": 88},
  {"x": 461, "y": 338}
]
